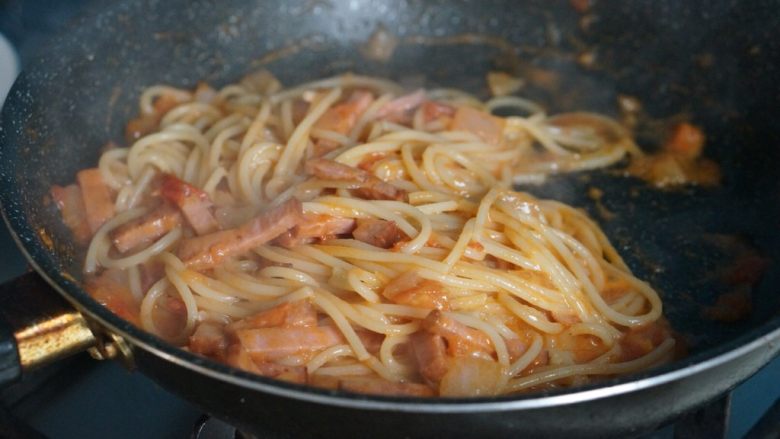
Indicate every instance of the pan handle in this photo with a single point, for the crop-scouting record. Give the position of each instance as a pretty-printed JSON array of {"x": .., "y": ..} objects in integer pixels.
[{"x": 37, "y": 327}]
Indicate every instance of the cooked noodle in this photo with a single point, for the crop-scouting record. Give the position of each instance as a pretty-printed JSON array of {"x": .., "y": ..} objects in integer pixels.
[{"x": 537, "y": 281}]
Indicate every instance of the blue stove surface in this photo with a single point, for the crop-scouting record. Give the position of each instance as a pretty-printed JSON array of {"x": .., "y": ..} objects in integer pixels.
[{"x": 85, "y": 398}]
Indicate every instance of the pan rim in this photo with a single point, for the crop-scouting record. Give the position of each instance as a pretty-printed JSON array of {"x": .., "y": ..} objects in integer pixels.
[
  {"x": 28, "y": 242},
  {"x": 708, "y": 359}
]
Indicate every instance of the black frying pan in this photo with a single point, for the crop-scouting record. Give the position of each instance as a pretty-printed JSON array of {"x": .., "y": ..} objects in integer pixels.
[{"x": 715, "y": 63}]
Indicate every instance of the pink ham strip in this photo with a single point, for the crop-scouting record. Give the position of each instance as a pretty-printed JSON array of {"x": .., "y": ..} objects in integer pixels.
[
  {"x": 193, "y": 202},
  {"x": 401, "y": 109},
  {"x": 146, "y": 229},
  {"x": 71, "y": 205},
  {"x": 299, "y": 313},
  {"x": 341, "y": 118},
  {"x": 315, "y": 227},
  {"x": 209, "y": 339},
  {"x": 413, "y": 290},
  {"x": 378, "y": 232},
  {"x": 239, "y": 357},
  {"x": 431, "y": 354},
  {"x": 207, "y": 251},
  {"x": 97, "y": 198},
  {"x": 372, "y": 187},
  {"x": 370, "y": 339},
  {"x": 461, "y": 340},
  {"x": 268, "y": 344},
  {"x": 433, "y": 110}
]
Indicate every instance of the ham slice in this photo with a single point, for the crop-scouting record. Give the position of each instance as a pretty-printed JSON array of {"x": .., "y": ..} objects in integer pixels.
[
  {"x": 96, "y": 194},
  {"x": 151, "y": 271},
  {"x": 371, "y": 340},
  {"x": 146, "y": 229},
  {"x": 111, "y": 290},
  {"x": 314, "y": 227},
  {"x": 372, "y": 187},
  {"x": 461, "y": 340},
  {"x": 379, "y": 386},
  {"x": 209, "y": 339},
  {"x": 378, "y": 232},
  {"x": 341, "y": 118},
  {"x": 269, "y": 344},
  {"x": 147, "y": 123},
  {"x": 71, "y": 205},
  {"x": 401, "y": 109},
  {"x": 299, "y": 313},
  {"x": 413, "y": 290},
  {"x": 433, "y": 110},
  {"x": 293, "y": 374},
  {"x": 193, "y": 202},
  {"x": 431, "y": 354},
  {"x": 239, "y": 357},
  {"x": 207, "y": 251},
  {"x": 471, "y": 376}
]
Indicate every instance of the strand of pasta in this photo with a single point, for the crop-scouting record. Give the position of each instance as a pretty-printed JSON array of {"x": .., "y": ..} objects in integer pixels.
[{"x": 246, "y": 150}]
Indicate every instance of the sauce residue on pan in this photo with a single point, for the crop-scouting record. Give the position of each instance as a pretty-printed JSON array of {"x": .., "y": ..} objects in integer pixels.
[
  {"x": 679, "y": 162},
  {"x": 740, "y": 278}
]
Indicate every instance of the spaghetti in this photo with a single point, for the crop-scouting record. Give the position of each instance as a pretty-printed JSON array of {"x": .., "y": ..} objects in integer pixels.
[{"x": 346, "y": 235}]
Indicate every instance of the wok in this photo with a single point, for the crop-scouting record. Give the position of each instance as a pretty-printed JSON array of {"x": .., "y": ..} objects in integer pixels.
[{"x": 714, "y": 63}]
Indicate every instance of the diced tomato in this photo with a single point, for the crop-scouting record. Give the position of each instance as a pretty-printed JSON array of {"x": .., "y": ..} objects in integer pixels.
[{"x": 686, "y": 140}]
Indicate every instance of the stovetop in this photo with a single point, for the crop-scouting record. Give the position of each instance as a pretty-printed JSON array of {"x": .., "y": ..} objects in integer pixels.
[{"x": 83, "y": 398}]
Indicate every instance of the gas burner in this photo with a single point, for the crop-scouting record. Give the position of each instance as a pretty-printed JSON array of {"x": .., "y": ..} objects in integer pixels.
[
  {"x": 708, "y": 422},
  {"x": 207, "y": 427}
]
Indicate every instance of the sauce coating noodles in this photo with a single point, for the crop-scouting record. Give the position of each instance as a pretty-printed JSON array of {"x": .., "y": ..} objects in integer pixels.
[{"x": 347, "y": 234}]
